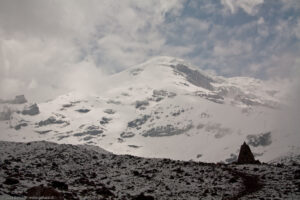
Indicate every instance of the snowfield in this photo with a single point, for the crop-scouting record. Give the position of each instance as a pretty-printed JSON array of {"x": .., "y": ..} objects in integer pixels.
[{"x": 163, "y": 108}]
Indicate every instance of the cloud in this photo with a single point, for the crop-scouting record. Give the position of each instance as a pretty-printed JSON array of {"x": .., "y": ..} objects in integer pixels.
[
  {"x": 49, "y": 48},
  {"x": 287, "y": 118},
  {"x": 290, "y": 4},
  {"x": 45, "y": 46},
  {"x": 296, "y": 29},
  {"x": 232, "y": 48},
  {"x": 249, "y": 6}
]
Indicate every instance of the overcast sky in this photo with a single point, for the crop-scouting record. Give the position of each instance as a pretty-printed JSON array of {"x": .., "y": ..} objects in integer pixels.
[{"x": 51, "y": 47}]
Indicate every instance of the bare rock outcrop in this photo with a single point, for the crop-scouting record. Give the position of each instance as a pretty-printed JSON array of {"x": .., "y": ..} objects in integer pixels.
[
  {"x": 31, "y": 110},
  {"x": 246, "y": 156},
  {"x": 19, "y": 99},
  {"x": 41, "y": 192}
]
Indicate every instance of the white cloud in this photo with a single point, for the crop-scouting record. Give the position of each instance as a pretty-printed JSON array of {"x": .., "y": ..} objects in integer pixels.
[
  {"x": 262, "y": 28},
  {"x": 45, "y": 46},
  {"x": 196, "y": 25},
  {"x": 232, "y": 48},
  {"x": 290, "y": 4},
  {"x": 284, "y": 65},
  {"x": 249, "y": 6},
  {"x": 296, "y": 29}
]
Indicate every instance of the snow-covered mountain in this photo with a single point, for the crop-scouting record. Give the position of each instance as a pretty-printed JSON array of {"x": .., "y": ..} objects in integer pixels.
[{"x": 162, "y": 108}]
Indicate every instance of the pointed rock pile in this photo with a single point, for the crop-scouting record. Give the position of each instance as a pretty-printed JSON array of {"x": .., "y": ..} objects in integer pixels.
[{"x": 246, "y": 156}]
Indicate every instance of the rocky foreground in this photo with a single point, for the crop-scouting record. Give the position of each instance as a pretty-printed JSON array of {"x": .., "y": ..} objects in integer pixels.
[{"x": 36, "y": 169}]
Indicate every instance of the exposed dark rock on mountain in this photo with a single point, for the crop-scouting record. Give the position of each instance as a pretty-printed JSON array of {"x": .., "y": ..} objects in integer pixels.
[
  {"x": 168, "y": 130},
  {"x": 31, "y": 110},
  {"x": 214, "y": 97},
  {"x": 136, "y": 71},
  {"x": 141, "y": 104},
  {"x": 246, "y": 156},
  {"x": 90, "y": 131},
  {"x": 252, "y": 101},
  {"x": 194, "y": 76},
  {"x": 138, "y": 122},
  {"x": 110, "y": 111},
  {"x": 127, "y": 134},
  {"x": 105, "y": 120},
  {"x": 51, "y": 120},
  {"x": 68, "y": 105},
  {"x": 6, "y": 114},
  {"x": 134, "y": 146},
  {"x": 83, "y": 110},
  {"x": 159, "y": 95},
  {"x": 20, "y": 99},
  {"x": 111, "y": 101},
  {"x": 20, "y": 125},
  {"x": 43, "y": 132}
]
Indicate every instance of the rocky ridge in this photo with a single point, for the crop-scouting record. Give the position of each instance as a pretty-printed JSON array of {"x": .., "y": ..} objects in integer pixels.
[{"x": 76, "y": 172}]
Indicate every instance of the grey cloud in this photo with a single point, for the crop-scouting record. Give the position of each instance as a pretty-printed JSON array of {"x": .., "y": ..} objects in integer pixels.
[
  {"x": 288, "y": 118},
  {"x": 50, "y": 47},
  {"x": 30, "y": 19}
]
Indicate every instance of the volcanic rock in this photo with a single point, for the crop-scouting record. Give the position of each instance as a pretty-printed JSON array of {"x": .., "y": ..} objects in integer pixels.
[
  {"x": 142, "y": 196},
  {"x": 31, "y": 110},
  {"x": 246, "y": 156},
  {"x": 59, "y": 185},
  {"x": 41, "y": 192},
  {"x": 11, "y": 181},
  {"x": 19, "y": 99},
  {"x": 6, "y": 114}
]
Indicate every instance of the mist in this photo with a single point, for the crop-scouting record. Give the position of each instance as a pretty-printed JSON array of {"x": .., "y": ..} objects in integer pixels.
[
  {"x": 48, "y": 49},
  {"x": 289, "y": 115}
]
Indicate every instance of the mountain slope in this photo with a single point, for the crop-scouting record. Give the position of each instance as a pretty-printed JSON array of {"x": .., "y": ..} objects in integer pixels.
[
  {"x": 85, "y": 172},
  {"x": 163, "y": 108}
]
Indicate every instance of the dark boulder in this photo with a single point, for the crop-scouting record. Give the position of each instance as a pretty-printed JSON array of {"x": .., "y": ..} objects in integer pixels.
[
  {"x": 142, "y": 196},
  {"x": 31, "y": 110},
  {"x": 297, "y": 174},
  {"x": 6, "y": 114},
  {"x": 84, "y": 181},
  {"x": 59, "y": 185},
  {"x": 11, "y": 181},
  {"x": 50, "y": 120},
  {"x": 104, "y": 191},
  {"x": 83, "y": 110},
  {"x": 20, "y": 99},
  {"x": 19, "y": 126},
  {"x": 246, "y": 156},
  {"x": 41, "y": 192}
]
